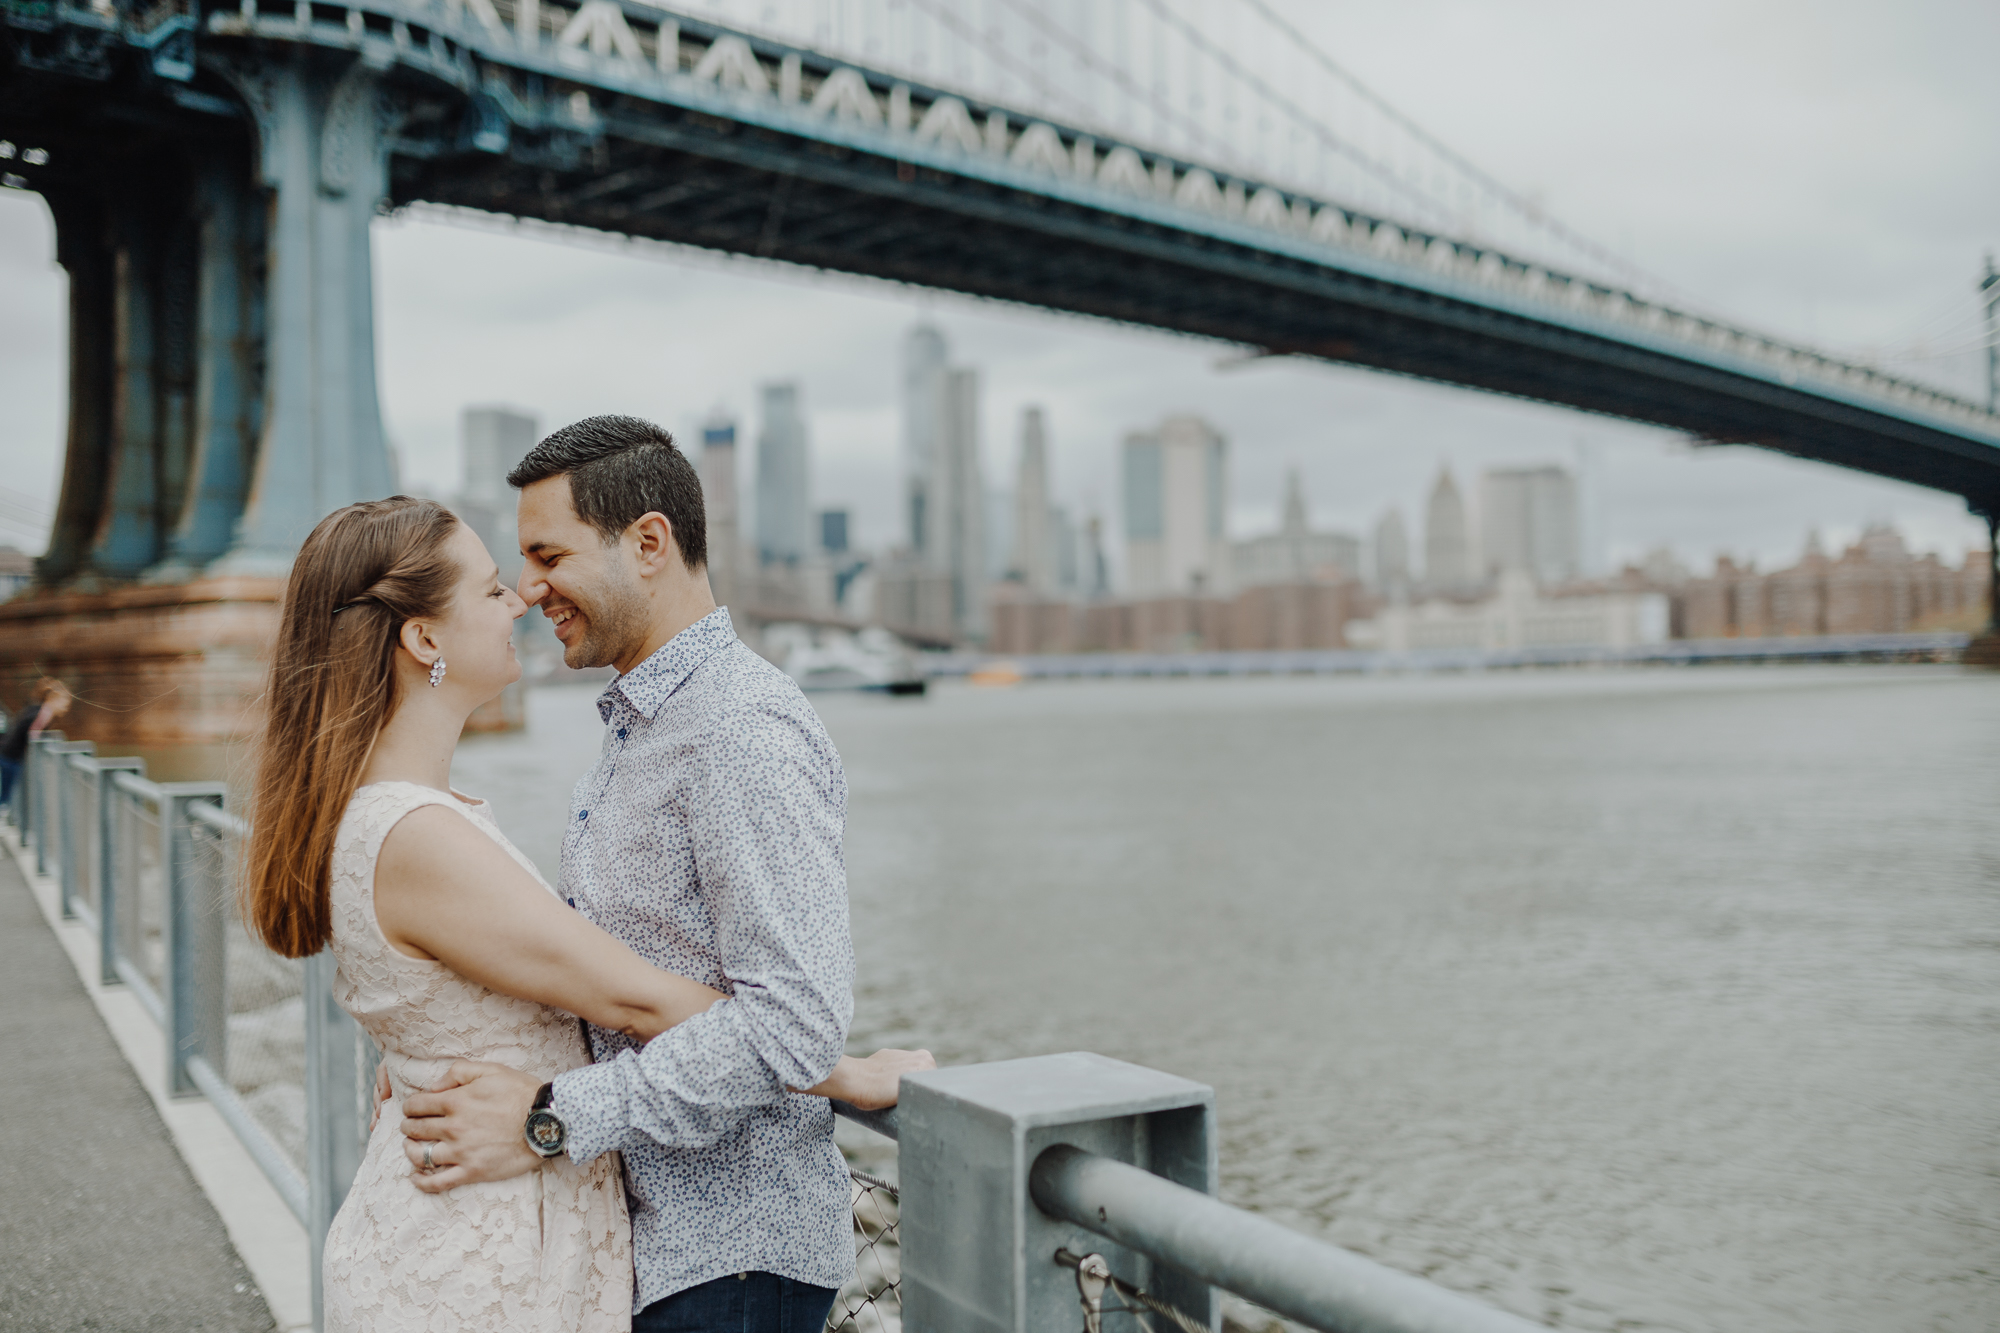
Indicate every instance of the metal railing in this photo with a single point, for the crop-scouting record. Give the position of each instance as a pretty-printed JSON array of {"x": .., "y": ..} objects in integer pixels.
[
  {"x": 1029, "y": 1189},
  {"x": 150, "y": 869},
  {"x": 1034, "y": 1189}
]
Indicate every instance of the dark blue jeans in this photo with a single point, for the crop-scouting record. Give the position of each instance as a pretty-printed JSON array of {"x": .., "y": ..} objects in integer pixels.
[{"x": 739, "y": 1303}]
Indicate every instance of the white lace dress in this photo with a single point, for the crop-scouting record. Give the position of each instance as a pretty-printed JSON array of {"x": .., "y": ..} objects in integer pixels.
[{"x": 549, "y": 1250}]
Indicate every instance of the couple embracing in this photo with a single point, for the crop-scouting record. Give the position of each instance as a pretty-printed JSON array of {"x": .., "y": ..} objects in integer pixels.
[{"x": 667, "y": 1164}]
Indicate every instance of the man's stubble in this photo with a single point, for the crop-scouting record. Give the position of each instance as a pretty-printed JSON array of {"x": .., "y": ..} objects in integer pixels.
[{"x": 614, "y": 619}]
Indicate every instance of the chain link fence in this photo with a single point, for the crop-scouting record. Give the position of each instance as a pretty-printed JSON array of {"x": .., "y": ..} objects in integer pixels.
[{"x": 872, "y": 1300}]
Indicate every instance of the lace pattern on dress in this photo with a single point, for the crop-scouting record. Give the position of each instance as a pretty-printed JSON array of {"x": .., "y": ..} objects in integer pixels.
[{"x": 549, "y": 1250}]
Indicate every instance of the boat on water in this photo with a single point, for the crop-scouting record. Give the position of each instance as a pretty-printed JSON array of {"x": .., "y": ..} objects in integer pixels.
[{"x": 826, "y": 658}]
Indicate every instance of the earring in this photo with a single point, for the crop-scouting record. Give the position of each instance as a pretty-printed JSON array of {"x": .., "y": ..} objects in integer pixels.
[{"x": 437, "y": 672}]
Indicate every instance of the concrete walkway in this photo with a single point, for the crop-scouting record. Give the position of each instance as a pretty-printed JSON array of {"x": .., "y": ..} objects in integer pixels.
[{"x": 101, "y": 1225}]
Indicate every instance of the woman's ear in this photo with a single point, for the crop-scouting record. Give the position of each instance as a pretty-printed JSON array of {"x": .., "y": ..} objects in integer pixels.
[{"x": 418, "y": 643}]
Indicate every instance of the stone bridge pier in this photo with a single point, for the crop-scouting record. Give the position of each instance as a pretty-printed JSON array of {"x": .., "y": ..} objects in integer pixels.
[{"x": 222, "y": 388}]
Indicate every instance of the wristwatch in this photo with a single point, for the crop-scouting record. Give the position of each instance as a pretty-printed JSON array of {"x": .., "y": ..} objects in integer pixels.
[{"x": 547, "y": 1134}]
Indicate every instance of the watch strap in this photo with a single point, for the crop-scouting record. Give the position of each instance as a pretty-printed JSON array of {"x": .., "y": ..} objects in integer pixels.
[{"x": 545, "y": 1097}]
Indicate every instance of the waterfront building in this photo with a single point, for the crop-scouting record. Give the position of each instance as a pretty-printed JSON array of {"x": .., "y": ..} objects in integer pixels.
[
  {"x": 1392, "y": 555},
  {"x": 1875, "y": 587},
  {"x": 1176, "y": 480},
  {"x": 1447, "y": 538},
  {"x": 784, "y": 506},
  {"x": 1518, "y": 615},
  {"x": 943, "y": 491},
  {"x": 1528, "y": 520},
  {"x": 1295, "y": 553}
]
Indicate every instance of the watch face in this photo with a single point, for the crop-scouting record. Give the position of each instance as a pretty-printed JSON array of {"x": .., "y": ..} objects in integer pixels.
[{"x": 546, "y": 1132}]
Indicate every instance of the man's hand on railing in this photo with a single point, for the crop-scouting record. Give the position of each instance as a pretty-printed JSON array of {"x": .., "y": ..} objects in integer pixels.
[{"x": 872, "y": 1084}]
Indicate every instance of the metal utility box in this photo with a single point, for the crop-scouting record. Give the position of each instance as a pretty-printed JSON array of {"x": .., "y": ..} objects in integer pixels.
[{"x": 978, "y": 1256}]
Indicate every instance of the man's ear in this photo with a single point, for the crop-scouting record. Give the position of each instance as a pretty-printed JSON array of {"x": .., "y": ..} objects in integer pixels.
[{"x": 657, "y": 550}]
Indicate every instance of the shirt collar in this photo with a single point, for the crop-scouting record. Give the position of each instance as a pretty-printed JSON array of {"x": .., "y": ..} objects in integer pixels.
[{"x": 648, "y": 686}]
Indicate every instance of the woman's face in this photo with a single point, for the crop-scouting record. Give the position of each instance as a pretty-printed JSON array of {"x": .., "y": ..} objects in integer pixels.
[{"x": 477, "y": 633}]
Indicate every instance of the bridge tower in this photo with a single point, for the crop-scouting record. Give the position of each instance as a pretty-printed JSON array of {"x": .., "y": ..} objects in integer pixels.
[{"x": 222, "y": 388}]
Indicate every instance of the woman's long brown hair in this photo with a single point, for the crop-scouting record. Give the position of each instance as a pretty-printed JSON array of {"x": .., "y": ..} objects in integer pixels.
[{"x": 363, "y": 572}]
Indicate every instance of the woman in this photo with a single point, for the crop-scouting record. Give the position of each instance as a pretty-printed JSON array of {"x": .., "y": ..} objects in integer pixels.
[{"x": 363, "y": 715}]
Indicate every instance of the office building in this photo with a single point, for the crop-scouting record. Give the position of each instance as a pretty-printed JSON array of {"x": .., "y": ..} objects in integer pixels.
[
  {"x": 944, "y": 492},
  {"x": 1295, "y": 553},
  {"x": 493, "y": 440},
  {"x": 1392, "y": 555},
  {"x": 1034, "y": 557},
  {"x": 717, "y": 468},
  {"x": 833, "y": 537},
  {"x": 784, "y": 509},
  {"x": 1528, "y": 521},
  {"x": 1176, "y": 491},
  {"x": 1447, "y": 540}
]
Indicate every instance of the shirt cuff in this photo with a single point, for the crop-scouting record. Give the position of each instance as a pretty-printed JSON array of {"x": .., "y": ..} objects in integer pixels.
[{"x": 580, "y": 1102}]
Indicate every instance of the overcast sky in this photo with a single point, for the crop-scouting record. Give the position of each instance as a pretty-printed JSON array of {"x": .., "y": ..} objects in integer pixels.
[{"x": 1830, "y": 172}]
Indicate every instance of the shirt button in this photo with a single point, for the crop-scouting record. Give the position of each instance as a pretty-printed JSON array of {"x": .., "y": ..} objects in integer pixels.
[{"x": 582, "y": 814}]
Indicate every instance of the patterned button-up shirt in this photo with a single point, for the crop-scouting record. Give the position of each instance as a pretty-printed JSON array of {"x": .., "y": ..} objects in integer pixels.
[{"x": 708, "y": 838}]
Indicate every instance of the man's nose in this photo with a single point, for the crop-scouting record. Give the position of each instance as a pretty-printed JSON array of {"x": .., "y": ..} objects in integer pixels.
[{"x": 531, "y": 588}]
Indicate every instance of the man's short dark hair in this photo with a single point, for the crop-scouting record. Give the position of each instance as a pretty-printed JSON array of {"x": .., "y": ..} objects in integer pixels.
[{"x": 620, "y": 468}]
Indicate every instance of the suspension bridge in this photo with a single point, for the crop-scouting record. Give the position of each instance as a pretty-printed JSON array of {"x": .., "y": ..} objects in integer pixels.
[{"x": 213, "y": 171}]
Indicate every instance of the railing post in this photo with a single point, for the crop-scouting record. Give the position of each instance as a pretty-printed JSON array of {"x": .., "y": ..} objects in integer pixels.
[
  {"x": 194, "y": 986},
  {"x": 34, "y": 822},
  {"x": 978, "y": 1255},
  {"x": 336, "y": 1131},
  {"x": 69, "y": 837},
  {"x": 107, "y": 863}
]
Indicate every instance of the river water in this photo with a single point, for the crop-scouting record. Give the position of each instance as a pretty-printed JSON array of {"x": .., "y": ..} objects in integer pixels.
[{"x": 1624, "y": 1000}]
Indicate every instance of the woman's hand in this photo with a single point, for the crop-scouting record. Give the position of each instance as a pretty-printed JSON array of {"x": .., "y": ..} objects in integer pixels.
[{"x": 872, "y": 1084}]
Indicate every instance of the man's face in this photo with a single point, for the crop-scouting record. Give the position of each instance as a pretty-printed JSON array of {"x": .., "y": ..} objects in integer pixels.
[{"x": 588, "y": 588}]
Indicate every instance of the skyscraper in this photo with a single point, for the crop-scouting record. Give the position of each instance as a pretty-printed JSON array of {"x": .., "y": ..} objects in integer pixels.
[
  {"x": 493, "y": 440},
  {"x": 944, "y": 493},
  {"x": 784, "y": 507},
  {"x": 718, "y": 494},
  {"x": 1392, "y": 554},
  {"x": 1176, "y": 481},
  {"x": 1034, "y": 545},
  {"x": 1528, "y": 522},
  {"x": 1095, "y": 575},
  {"x": 924, "y": 364},
  {"x": 1447, "y": 550}
]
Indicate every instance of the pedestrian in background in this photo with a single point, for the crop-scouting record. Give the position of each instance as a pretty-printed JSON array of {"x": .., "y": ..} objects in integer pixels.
[{"x": 48, "y": 702}]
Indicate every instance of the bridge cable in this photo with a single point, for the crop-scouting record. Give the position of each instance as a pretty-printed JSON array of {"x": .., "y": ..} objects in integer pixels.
[{"x": 1522, "y": 205}]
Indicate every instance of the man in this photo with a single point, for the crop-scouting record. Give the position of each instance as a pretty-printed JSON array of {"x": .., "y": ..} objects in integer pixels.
[{"x": 708, "y": 838}]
